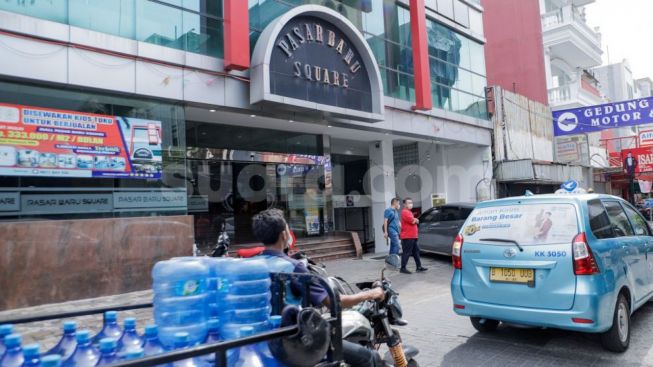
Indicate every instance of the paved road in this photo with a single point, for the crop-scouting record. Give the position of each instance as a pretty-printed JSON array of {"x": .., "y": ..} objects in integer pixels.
[
  {"x": 446, "y": 339},
  {"x": 443, "y": 338}
]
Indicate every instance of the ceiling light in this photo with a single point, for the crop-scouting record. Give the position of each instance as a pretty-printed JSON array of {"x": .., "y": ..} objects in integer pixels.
[
  {"x": 329, "y": 126},
  {"x": 291, "y": 120},
  {"x": 211, "y": 110},
  {"x": 252, "y": 115}
]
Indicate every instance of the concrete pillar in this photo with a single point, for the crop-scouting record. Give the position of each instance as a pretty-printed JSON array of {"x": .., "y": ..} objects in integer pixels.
[{"x": 382, "y": 187}]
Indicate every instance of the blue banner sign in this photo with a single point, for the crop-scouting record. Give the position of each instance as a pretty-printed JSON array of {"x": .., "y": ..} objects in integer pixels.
[{"x": 602, "y": 117}]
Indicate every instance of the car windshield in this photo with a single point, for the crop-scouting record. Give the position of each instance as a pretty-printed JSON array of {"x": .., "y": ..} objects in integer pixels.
[{"x": 527, "y": 224}]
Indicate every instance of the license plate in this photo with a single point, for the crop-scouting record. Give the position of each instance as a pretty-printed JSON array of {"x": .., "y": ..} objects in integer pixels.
[{"x": 512, "y": 275}]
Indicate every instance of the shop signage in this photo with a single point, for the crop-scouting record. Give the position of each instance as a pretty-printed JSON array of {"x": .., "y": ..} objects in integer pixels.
[
  {"x": 567, "y": 151},
  {"x": 9, "y": 201},
  {"x": 646, "y": 138},
  {"x": 146, "y": 200},
  {"x": 607, "y": 116},
  {"x": 313, "y": 58},
  {"x": 637, "y": 160},
  {"x": 45, "y": 142},
  {"x": 65, "y": 203}
]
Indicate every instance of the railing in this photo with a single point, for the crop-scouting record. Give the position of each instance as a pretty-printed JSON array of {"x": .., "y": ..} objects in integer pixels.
[
  {"x": 572, "y": 92},
  {"x": 569, "y": 15},
  {"x": 562, "y": 94}
]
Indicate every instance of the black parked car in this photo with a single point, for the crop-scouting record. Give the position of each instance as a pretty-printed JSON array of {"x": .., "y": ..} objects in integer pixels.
[{"x": 439, "y": 226}]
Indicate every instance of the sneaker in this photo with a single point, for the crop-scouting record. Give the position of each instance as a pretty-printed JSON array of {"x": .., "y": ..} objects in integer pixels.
[
  {"x": 404, "y": 271},
  {"x": 422, "y": 269}
]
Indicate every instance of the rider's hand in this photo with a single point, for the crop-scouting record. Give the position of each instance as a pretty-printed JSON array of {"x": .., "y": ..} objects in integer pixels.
[{"x": 376, "y": 294}]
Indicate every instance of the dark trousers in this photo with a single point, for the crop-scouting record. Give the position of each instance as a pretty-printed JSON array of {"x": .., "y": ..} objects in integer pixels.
[
  {"x": 358, "y": 356},
  {"x": 410, "y": 248}
]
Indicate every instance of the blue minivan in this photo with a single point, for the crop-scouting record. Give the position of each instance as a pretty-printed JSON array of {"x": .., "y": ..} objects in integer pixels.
[{"x": 575, "y": 262}]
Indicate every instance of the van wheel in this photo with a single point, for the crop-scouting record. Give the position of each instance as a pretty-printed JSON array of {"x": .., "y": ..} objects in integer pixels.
[
  {"x": 617, "y": 338},
  {"x": 484, "y": 325}
]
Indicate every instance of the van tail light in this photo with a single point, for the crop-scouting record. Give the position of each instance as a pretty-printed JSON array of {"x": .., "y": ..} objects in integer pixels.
[
  {"x": 457, "y": 251},
  {"x": 584, "y": 262}
]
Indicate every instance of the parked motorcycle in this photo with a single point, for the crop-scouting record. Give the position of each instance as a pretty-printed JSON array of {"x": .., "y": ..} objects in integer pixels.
[{"x": 370, "y": 324}]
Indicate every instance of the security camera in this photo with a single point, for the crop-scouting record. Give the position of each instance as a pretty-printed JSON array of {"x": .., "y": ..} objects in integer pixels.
[
  {"x": 378, "y": 144},
  {"x": 252, "y": 155}
]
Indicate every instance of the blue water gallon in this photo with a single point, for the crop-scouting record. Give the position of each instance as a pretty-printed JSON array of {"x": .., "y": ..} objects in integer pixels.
[
  {"x": 212, "y": 338},
  {"x": 152, "y": 344},
  {"x": 212, "y": 281},
  {"x": 180, "y": 299},
  {"x": 110, "y": 328},
  {"x": 263, "y": 348},
  {"x": 85, "y": 354},
  {"x": 32, "y": 355},
  {"x": 249, "y": 355},
  {"x": 14, "y": 354},
  {"x": 243, "y": 297},
  {"x": 5, "y": 329},
  {"x": 108, "y": 351},
  {"x": 129, "y": 338},
  {"x": 53, "y": 360},
  {"x": 66, "y": 345}
]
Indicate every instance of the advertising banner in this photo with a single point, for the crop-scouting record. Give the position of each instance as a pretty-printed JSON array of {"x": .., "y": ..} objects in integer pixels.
[
  {"x": 607, "y": 116},
  {"x": 46, "y": 142},
  {"x": 637, "y": 160}
]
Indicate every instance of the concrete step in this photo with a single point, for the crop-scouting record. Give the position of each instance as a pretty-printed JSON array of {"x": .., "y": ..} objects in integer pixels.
[
  {"x": 337, "y": 255},
  {"x": 327, "y": 248}
]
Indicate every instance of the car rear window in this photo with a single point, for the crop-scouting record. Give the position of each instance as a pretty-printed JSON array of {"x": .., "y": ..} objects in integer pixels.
[{"x": 528, "y": 224}]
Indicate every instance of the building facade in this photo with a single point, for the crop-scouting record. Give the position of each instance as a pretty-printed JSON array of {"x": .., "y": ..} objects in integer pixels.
[
  {"x": 514, "y": 51},
  {"x": 139, "y": 127}
]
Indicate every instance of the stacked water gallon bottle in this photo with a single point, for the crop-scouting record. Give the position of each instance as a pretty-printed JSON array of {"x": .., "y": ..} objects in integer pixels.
[{"x": 196, "y": 301}]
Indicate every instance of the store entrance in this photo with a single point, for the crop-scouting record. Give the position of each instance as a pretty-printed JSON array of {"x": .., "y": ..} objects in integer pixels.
[{"x": 227, "y": 194}]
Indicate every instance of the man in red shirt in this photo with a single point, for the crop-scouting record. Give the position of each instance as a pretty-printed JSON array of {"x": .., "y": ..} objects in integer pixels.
[{"x": 409, "y": 238}]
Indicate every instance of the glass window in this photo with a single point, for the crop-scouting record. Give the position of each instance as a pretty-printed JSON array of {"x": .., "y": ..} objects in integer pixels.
[
  {"x": 477, "y": 57},
  {"x": 599, "y": 221},
  {"x": 56, "y": 11},
  {"x": 202, "y": 35},
  {"x": 639, "y": 224},
  {"x": 373, "y": 21},
  {"x": 447, "y": 214},
  {"x": 430, "y": 216},
  {"x": 618, "y": 218},
  {"x": 461, "y": 13},
  {"x": 476, "y": 22},
  {"x": 154, "y": 142},
  {"x": 107, "y": 17},
  {"x": 159, "y": 24},
  {"x": 445, "y": 7}
]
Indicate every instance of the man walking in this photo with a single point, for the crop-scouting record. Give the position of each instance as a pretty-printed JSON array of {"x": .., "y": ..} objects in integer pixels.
[
  {"x": 409, "y": 238},
  {"x": 391, "y": 228}
]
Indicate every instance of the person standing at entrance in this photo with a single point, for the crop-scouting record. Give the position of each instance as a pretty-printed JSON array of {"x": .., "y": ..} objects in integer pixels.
[
  {"x": 409, "y": 238},
  {"x": 391, "y": 228}
]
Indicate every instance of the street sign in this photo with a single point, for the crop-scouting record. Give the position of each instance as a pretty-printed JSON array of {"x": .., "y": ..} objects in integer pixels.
[{"x": 602, "y": 117}]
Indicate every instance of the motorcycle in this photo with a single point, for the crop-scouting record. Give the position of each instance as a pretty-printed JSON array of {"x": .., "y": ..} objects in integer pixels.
[{"x": 370, "y": 324}]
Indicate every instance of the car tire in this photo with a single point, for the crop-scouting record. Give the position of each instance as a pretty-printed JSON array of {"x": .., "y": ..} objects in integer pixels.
[
  {"x": 484, "y": 325},
  {"x": 413, "y": 363},
  {"x": 617, "y": 338}
]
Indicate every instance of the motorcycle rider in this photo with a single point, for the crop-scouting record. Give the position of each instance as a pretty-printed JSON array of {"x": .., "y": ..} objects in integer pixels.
[{"x": 271, "y": 229}]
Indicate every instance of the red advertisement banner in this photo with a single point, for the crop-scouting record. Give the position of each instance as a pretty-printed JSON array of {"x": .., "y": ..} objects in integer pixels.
[{"x": 37, "y": 141}]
